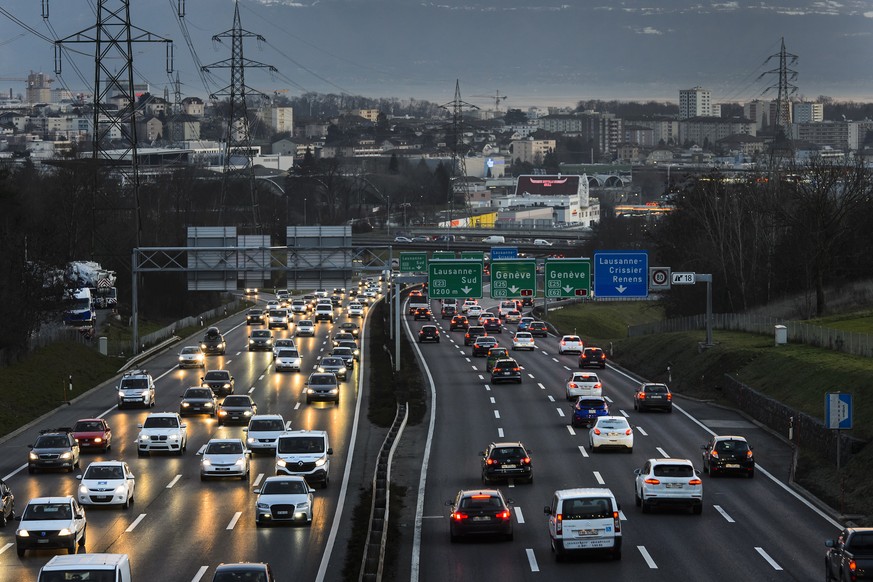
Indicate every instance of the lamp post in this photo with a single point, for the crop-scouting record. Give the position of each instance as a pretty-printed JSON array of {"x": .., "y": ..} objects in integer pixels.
[{"x": 304, "y": 211}]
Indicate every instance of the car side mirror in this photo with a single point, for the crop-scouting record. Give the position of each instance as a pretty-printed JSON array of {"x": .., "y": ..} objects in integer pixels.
[
  {"x": 80, "y": 515},
  {"x": 184, "y": 425},
  {"x": 245, "y": 429},
  {"x": 637, "y": 471},
  {"x": 29, "y": 446},
  {"x": 510, "y": 501},
  {"x": 831, "y": 543},
  {"x": 256, "y": 490},
  {"x": 181, "y": 396},
  {"x": 329, "y": 451},
  {"x": 139, "y": 426},
  {"x": 78, "y": 477},
  {"x": 547, "y": 510},
  {"x": 202, "y": 378},
  {"x": 131, "y": 477},
  {"x": 702, "y": 447}
]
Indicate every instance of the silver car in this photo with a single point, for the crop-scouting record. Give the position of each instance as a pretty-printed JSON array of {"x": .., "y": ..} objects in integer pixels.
[
  {"x": 284, "y": 499},
  {"x": 288, "y": 360},
  {"x": 224, "y": 458}
]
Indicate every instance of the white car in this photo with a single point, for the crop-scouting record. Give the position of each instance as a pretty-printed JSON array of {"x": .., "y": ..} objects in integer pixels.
[
  {"x": 668, "y": 482},
  {"x": 191, "y": 357},
  {"x": 224, "y": 458},
  {"x": 284, "y": 343},
  {"x": 571, "y": 344},
  {"x": 288, "y": 359},
  {"x": 305, "y": 327},
  {"x": 320, "y": 293},
  {"x": 355, "y": 310},
  {"x": 402, "y": 239},
  {"x": 468, "y": 303},
  {"x": 474, "y": 311},
  {"x": 541, "y": 242},
  {"x": 273, "y": 304},
  {"x": 162, "y": 432},
  {"x": 371, "y": 292},
  {"x": 505, "y": 307},
  {"x": 611, "y": 432},
  {"x": 106, "y": 483},
  {"x": 277, "y": 317},
  {"x": 523, "y": 341},
  {"x": 51, "y": 522},
  {"x": 263, "y": 430},
  {"x": 583, "y": 384},
  {"x": 284, "y": 498},
  {"x": 298, "y": 306}
]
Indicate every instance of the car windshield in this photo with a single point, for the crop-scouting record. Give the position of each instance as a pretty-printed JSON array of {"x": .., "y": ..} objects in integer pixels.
[
  {"x": 52, "y": 442},
  {"x": 286, "y": 343},
  {"x": 586, "y": 378},
  {"x": 100, "y": 472},
  {"x": 613, "y": 423},
  {"x": 261, "y": 333},
  {"x": 507, "y": 453},
  {"x": 589, "y": 403},
  {"x": 217, "y": 376},
  {"x": 277, "y": 313},
  {"x": 301, "y": 444},
  {"x": 304, "y": 323},
  {"x": 656, "y": 389},
  {"x": 673, "y": 471},
  {"x": 198, "y": 393},
  {"x": 523, "y": 335},
  {"x": 134, "y": 383},
  {"x": 88, "y": 426},
  {"x": 342, "y": 352},
  {"x": 190, "y": 350},
  {"x": 289, "y": 354},
  {"x": 587, "y": 508},
  {"x": 224, "y": 448},
  {"x": 332, "y": 362},
  {"x": 236, "y": 401},
  {"x": 160, "y": 422},
  {"x": 727, "y": 446},
  {"x": 42, "y": 511},
  {"x": 266, "y": 424},
  {"x": 322, "y": 379},
  {"x": 481, "y": 502},
  {"x": 285, "y": 487},
  {"x": 571, "y": 338},
  {"x": 861, "y": 543}
]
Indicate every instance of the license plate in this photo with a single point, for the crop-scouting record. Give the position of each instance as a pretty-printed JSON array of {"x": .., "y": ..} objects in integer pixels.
[
  {"x": 281, "y": 513},
  {"x": 43, "y": 541},
  {"x": 482, "y": 518},
  {"x": 592, "y": 412},
  {"x": 508, "y": 466},
  {"x": 222, "y": 469},
  {"x": 587, "y": 532},
  {"x": 674, "y": 485},
  {"x": 732, "y": 466},
  {"x": 506, "y": 373}
]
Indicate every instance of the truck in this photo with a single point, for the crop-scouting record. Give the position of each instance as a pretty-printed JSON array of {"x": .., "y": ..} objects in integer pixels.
[
  {"x": 91, "y": 275},
  {"x": 91, "y": 567},
  {"x": 850, "y": 556},
  {"x": 79, "y": 310}
]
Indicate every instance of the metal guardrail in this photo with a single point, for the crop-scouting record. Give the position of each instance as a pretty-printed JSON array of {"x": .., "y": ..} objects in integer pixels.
[{"x": 377, "y": 532}]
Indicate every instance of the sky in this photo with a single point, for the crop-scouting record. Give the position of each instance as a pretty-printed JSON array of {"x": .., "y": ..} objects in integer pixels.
[{"x": 534, "y": 52}]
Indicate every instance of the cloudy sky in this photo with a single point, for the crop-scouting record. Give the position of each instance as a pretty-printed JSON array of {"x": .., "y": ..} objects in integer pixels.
[{"x": 533, "y": 51}]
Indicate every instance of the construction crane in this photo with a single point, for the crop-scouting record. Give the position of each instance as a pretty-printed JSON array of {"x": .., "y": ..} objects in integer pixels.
[{"x": 497, "y": 97}]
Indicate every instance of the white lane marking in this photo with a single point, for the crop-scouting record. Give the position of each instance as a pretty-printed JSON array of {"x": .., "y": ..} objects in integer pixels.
[
  {"x": 519, "y": 517},
  {"x": 135, "y": 523},
  {"x": 458, "y": 346},
  {"x": 6, "y": 547},
  {"x": 621, "y": 515},
  {"x": 107, "y": 411},
  {"x": 200, "y": 450},
  {"x": 252, "y": 389},
  {"x": 545, "y": 353},
  {"x": 724, "y": 514},
  {"x": 475, "y": 369},
  {"x": 229, "y": 361},
  {"x": 296, "y": 406},
  {"x": 567, "y": 368},
  {"x": 599, "y": 478},
  {"x": 468, "y": 359},
  {"x": 554, "y": 359},
  {"x": 431, "y": 517},
  {"x": 540, "y": 384},
  {"x": 560, "y": 412},
  {"x": 647, "y": 557},
  {"x": 288, "y": 422},
  {"x": 493, "y": 401},
  {"x": 261, "y": 377},
  {"x": 500, "y": 432},
  {"x": 510, "y": 483},
  {"x": 624, "y": 414},
  {"x": 608, "y": 399},
  {"x": 199, "y": 573},
  {"x": 174, "y": 481},
  {"x": 234, "y": 519},
  {"x": 767, "y": 557},
  {"x": 551, "y": 398},
  {"x": 531, "y": 375},
  {"x": 532, "y": 560},
  {"x": 238, "y": 353},
  {"x": 570, "y": 429},
  {"x": 583, "y": 451},
  {"x": 258, "y": 479},
  {"x": 496, "y": 414},
  {"x": 487, "y": 387},
  {"x": 663, "y": 452},
  {"x": 642, "y": 432}
]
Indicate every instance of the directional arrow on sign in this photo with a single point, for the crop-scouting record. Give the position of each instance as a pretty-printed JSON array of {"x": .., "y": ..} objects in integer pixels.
[
  {"x": 567, "y": 289},
  {"x": 621, "y": 288},
  {"x": 466, "y": 289},
  {"x": 514, "y": 289}
]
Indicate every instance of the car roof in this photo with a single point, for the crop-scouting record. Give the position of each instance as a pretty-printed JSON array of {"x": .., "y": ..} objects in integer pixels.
[
  {"x": 268, "y": 417},
  {"x": 574, "y": 338},
  {"x": 112, "y": 463},
  {"x": 471, "y": 492},
  {"x": 728, "y": 437},
  {"x": 163, "y": 414},
  {"x": 43, "y": 500},
  {"x": 504, "y": 444},
  {"x": 670, "y": 462},
  {"x": 584, "y": 492},
  {"x": 225, "y": 441}
]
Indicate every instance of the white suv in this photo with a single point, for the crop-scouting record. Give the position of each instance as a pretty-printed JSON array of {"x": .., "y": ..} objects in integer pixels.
[
  {"x": 668, "y": 482},
  {"x": 137, "y": 388},
  {"x": 263, "y": 431},
  {"x": 162, "y": 431},
  {"x": 584, "y": 520},
  {"x": 305, "y": 453},
  {"x": 51, "y": 522},
  {"x": 324, "y": 311},
  {"x": 571, "y": 344}
]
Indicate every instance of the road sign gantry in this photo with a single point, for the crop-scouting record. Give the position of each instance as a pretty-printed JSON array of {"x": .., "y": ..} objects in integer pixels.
[{"x": 454, "y": 278}]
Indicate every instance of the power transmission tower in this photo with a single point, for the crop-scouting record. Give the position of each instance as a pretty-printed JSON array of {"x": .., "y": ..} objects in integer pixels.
[
  {"x": 238, "y": 144},
  {"x": 113, "y": 129},
  {"x": 458, "y": 147},
  {"x": 784, "y": 87}
]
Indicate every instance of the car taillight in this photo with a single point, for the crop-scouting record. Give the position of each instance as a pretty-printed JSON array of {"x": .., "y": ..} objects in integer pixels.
[
  {"x": 651, "y": 481},
  {"x": 563, "y": 343},
  {"x": 598, "y": 386},
  {"x": 602, "y": 356},
  {"x": 748, "y": 454},
  {"x": 559, "y": 523},
  {"x": 515, "y": 369},
  {"x": 525, "y": 461},
  {"x": 596, "y": 431},
  {"x": 583, "y": 357},
  {"x": 669, "y": 396},
  {"x": 628, "y": 432},
  {"x": 714, "y": 453},
  {"x": 573, "y": 385},
  {"x": 459, "y": 516},
  {"x": 853, "y": 566},
  {"x": 503, "y": 514},
  {"x": 616, "y": 521},
  {"x": 695, "y": 482},
  {"x": 490, "y": 462}
]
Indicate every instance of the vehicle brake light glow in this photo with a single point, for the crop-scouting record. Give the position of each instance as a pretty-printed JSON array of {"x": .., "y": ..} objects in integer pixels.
[
  {"x": 596, "y": 431},
  {"x": 642, "y": 395},
  {"x": 458, "y": 516},
  {"x": 503, "y": 514},
  {"x": 651, "y": 481},
  {"x": 616, "y": 521},
  {"x": 714, "y": 453},
  {"x": 525, "y": 461},
  {"x": 748, "y": 454},
  {"x": 573, "y": 385},
  {"x": 481, "y": 497},
  {"x": 669, "y": 396},
  {"x": 490, "y": 462},
  {"x": 559, "y": 523},
  {"x": 598, "y": 386},
  {"x": 695, "y": 482},
  {"x": 628, "y": 432}
]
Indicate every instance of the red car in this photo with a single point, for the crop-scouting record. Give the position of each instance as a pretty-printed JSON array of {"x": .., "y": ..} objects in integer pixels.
[{"x": 93, "y": 433}]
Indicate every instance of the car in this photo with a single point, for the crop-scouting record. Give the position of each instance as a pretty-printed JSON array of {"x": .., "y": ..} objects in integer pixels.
[
  {"x": 587, "y": 409},
  {"x": 541, "y": 242},
  {"x": 288, "y": 360},
  {"x": 336, "y": 300},
  {"x": 448, "y": 312},
  {"x": 7, "y": 504},
  {"x": 191, "y": 357},
  {"x": 506, "y": 460},
  {"x": 468, "y": 303},
  {"x": 513, "y": 316},
  {"x": 255, "y": 316},
  {"x": 284, "y": 298},
  {"x": 263, "y": 431},
  {"x": 583, "y": 384},
  {"x": 352, "y": 345},
  {"x": 482, "y": 344},
  {"x": 570, "y": 344},
  {"x": 220, "y": 381},
  {"x": 473, "y": 332},
  {"x": 305, "y": 453},
  {"x": 505, "y": 307},
  {"x": 249, "y": 291},
  {"x": 106, "y": 483},
  {"x": 254, "y": 571},
  {"x": 320, "y": 293},
  {"x": 491, "y": 324},
  {"x": 283, "y": 343},
  {"x": 54, "y": 448},
  {"x": 344, "y": 336},
  {"x": 415, "y": 303},
  {"x": 402, "y": 239},
  {"x": 611, "y": 432},
  {"x": 422, "y": 313},
  {"x": 198, "y": 400},
  {"x": 506, "y": 370},
  {"x": 584, "y": 520},
  {"x": 428, "y": 333},
  {"x": 459, "y": 322},
  {"x": 538, "y": 329},
  {"x": 350, "y": 327},
  {"x": 278, "y": 317},
  {"x": 261, "y": 340},
  {"x": 323, "y": 312},
  {"x": 850, "y": 555},
  {"x": 668, "y": 482},
  {"x": 284, "y": 499},
  {"x": 236, "y": 409},
  {"x": 322, "y": 386},
  {"x": 162, "y": 432},
  {"x": 225, "y": 458},
  {"x": 527, "y": 301},
  {"x": 213, "y": 342},
  {"x": 298, "y": 306},
  {"x": 524, "y": 322},
  {"x": 334, "y": 365},
  {"x": 449, "y": 301},
  {"x": 474, "y": 311},
  {"x": 305, "y": 327},
  {"x": 348, "y": 355},
  {"x": 93, "y": 433},
  {"x": 339, "y": 290},
  {"x": 51, "y": 522},
  {"x": 592, "y": 357},
  {"x": 355, "y": 310},
  {"x": 493, "y": 355},
  {"x": 479, "y": 512},
  {"x": 728, "y": 453},
  {"x": 523, "y": 340},
  {"x": 653, "y": 396},
  {"x": 136, "y": 388},
  {"x": 273, "y": 304}
]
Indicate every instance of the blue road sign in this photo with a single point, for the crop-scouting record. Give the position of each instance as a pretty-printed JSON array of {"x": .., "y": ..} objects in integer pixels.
[
  {"x": 838, "y": 410},
  {"x": 621, "y": 274},
  {"x": 498, "y": 253}
]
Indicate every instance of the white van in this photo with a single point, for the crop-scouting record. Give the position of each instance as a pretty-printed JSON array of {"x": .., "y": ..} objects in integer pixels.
[
  {"x": 494, "y": 239},
  {"x": 305, "y": 453},
  {"x": 112, "y": 567},
  {"x": 584, "y": 520}
]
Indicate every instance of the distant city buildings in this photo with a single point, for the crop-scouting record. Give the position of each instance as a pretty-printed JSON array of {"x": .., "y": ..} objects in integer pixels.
[{"x": 697, "y": 102}]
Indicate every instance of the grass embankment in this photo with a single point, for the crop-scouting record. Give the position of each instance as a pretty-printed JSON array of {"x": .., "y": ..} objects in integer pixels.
[{"x": 797, "y": 375}]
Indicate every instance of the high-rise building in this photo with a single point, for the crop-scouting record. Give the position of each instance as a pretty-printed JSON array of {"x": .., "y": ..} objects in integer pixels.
[
  {"x": 758, "y": 111},
  {"x": 39, "y": 88},
  {"x": 696, "y": 102},
  {"x": 807, "y": 112}
]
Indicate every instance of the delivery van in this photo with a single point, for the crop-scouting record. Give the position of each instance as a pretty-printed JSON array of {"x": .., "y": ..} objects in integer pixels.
[
  {"x": 93, "y": 567},
  {"x": 494, "y": 239}
]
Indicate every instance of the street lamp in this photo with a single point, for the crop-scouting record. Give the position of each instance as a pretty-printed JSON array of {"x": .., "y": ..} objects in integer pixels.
[{"x": 304, "y": 211}]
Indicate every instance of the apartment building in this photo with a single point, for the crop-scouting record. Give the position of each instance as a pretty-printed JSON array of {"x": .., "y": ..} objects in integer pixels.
[
  {"x": 697, "y": 102},
  {"x": 532, "y": 151},
  {"x": 807, "y": 112}
]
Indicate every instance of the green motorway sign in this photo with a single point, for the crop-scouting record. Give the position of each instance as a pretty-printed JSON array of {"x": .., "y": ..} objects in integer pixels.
[
  {"x": 413, "y": 262},
  {"x": 513, "y": 278},
  {"x": 567, "y": 278},
  {"x": 443, "y": 255},
  {"x": 477, "y": 255},
  {"x": 454, "y": 278}
]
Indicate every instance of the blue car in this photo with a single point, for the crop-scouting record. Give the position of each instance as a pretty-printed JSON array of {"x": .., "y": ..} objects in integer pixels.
[
  {"x": 524, "y": 323},
  {"x": 587, "y": 409}
]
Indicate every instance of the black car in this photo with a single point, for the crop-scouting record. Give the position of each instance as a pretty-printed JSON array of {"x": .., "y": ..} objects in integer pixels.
[
  {"x": 343, "y": 336},
  {"x": 220, "y": 381},
  {"x": 54, "y": 449},
  {"x": 198, "y": 400},
  {"x": 473, "y": 332},
  {"x": 254, "y": 316},
  {"x": 213, "y": 342},
  {"x": 479, "y": 512},
  {"x": 506, "y": 370},
  {"x": 482, "y": 345},
  {"x": 726, "y": 454},
  {"x": 7, "y": 504},
  {"x": 538, "y": 329},
  {"x": 236, "y": 409},
  {"x": 351, "y": 327},
  {"x": 335, "y": 365},
  {"x": 347, "y": 354},
  {"x": 506, "y": 460},
  {"x": 261, "y": 339},
  {"x": 322, "y": 386},
  {"x": 652, "y": 396},
  {"x": 459, "y": 322},
  {"x": 428, "y": 333},
  {"x": 592, "y": 357},
  {"x": 422, "y": 313},
  {"x": 448, "y": 311},
  {"x": 491, "y": 324},
  {"x": 352, "y": 345}
]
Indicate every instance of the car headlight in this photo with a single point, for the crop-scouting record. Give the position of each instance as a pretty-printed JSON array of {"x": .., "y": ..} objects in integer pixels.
[
  {"x": 251, "y": 341},
  {"x": 22, "y": 533},
  {"x": 251, "y": 440},
  {"x": 222, "y": 413},
  {"x": 263, "y": 506},
  {"x": 303, "y": 506},
  {"x": 209, "y": 404},
  {"x": 32, "y": 456},
  {"x": 202, "y": 346},
  {"x": 144, "y": 393},
  {"x": 174, "y": 437},
  {"x": 321, "y": 369},
  {"x": 247, "y": 413},
  {"x": 83, "y": 490},
  {"x": 67, "y": 455},
  {"x": 121, "y": 489},
  {"x": 320, "y": 462},
  {"x": 226, "y": 385},
  {"x": 310, "y": 391},
  {"x": 206, "y": 463},
  {"x": 143, "y": 438},
  {"x": 185, "y": 405},
  {"x": 65, "y": 532},
  {"x": 240, "y": 462},
  {"x": 281, "y": 463},
  {"x": 342, "y": 370}
]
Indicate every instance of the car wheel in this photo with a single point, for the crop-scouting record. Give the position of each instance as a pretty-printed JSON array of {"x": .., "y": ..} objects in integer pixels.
[
  {"x": 82, "y": 539},
  {"x": 559, "y": 554},
  {"x": 3, "y": 519},
  {"x": 645, "y": 505},
  {"x": 637, "y": 500},
  {"x": 202, "y": 477},
  {"x": 712, "y": 472},
  {"x": 140, "y": 453},
  {"x": 126, "y": 504},
  {"x": 616, "y": 555},
  {"x": 308, "y": 401},
  {"x": 635, "y": 404},
  {"x": 630, "y": 450},
  {"x": 697, "y": 509},
  {"x": 20, "y": 551},
  {"x": 670, "y": 410},
  {"x": 453, "y": 538},
  {"x": 509, "y": 537},
  {"x": 484, "y": 478},
  {"x": 751, "y": 474},
  {"x": 705, "y": 467}
]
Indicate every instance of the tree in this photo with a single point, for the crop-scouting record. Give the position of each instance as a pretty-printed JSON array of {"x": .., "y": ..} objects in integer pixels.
[{"x": 515, "y": 117}]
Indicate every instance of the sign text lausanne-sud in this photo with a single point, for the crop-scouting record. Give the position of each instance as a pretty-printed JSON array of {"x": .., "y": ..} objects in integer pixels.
[{"x": 455, "y": 278}]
